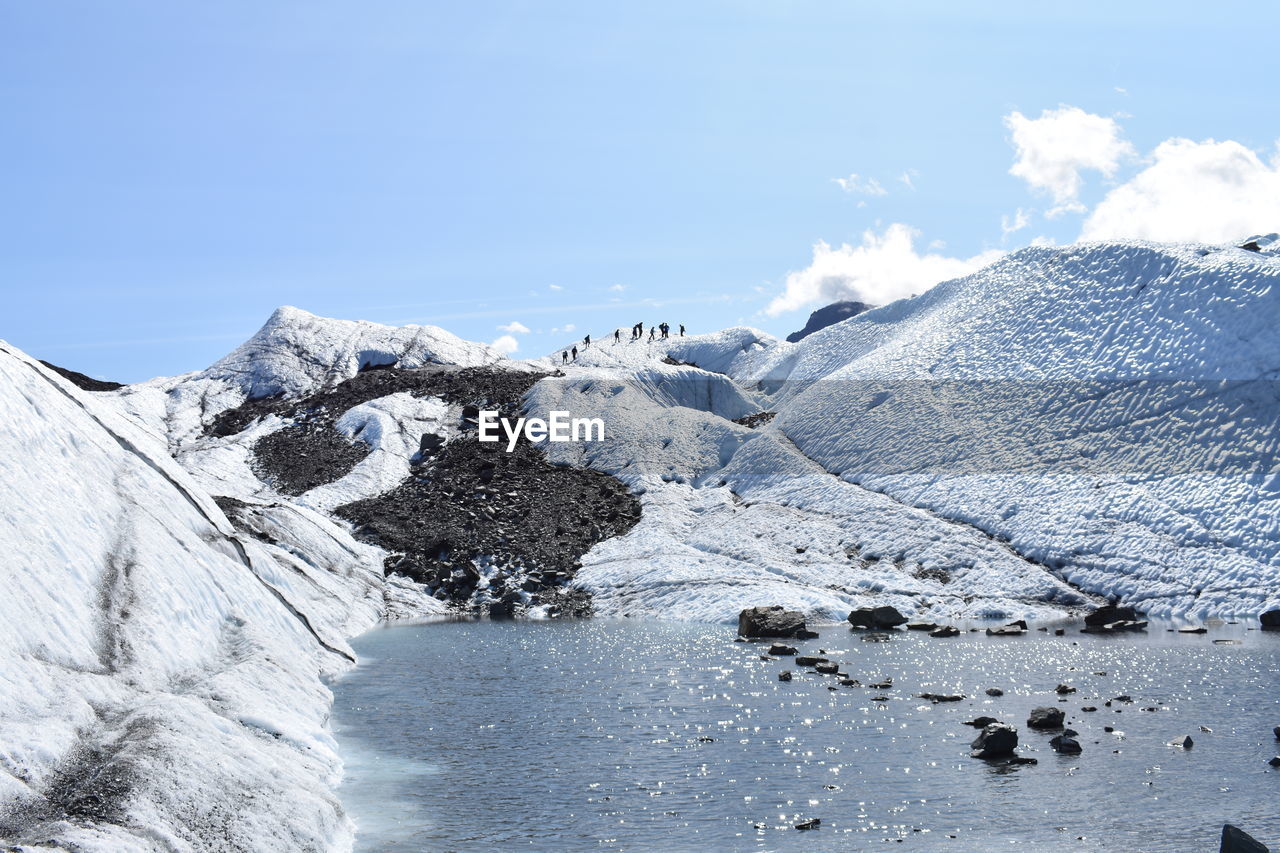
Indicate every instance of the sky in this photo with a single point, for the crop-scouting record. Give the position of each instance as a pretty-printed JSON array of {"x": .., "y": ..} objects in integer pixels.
[{"x": 523, "y": 173}]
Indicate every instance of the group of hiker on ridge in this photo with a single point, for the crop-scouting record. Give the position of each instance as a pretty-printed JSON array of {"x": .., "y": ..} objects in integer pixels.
[{"x": 662, "y": 330}]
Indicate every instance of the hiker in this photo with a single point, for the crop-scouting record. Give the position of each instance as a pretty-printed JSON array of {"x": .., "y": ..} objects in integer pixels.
[
  {"x": 666, "y": 330},
  {"x": 586, "y": 342},
  {"x": 575, "y": 353},
  {"x": 617, "y": 336},
  {"x": 651, "y": 331},
  {"x": 564, "y": 357},
  {"x": 682, "y": 330}
]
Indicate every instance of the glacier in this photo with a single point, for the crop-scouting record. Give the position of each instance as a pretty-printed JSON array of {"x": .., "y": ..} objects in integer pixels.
[{"x": 1066, "y": 426}]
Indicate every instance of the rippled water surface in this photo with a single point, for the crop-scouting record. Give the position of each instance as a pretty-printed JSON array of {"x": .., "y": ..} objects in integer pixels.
[{"x": 628, "y": 735}]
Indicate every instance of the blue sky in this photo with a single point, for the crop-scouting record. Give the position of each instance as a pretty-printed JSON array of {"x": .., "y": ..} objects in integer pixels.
[{"x": 174, "y": 171}]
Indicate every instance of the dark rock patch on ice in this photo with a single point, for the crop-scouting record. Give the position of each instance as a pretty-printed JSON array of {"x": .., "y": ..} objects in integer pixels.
[{"x": 84, "y": 383}]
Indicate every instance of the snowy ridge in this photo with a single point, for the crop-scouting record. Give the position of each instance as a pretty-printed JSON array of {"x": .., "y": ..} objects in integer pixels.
[
  {"x": 153, "y": 645},
  {"x": 1100, "y": 414}
]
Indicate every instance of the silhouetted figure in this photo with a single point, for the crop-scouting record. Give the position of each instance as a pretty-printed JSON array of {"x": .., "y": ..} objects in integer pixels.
[
  {"x": 666, "y": 330},
  {"x": 617, "y": 335},
  {"x": 575, "y": 353},
  {"x": 682, "y": 330},
  {"x": 586, "y": 341},
  {"x": 564, "y": 357},
  {"x": 651, "y": 331}
]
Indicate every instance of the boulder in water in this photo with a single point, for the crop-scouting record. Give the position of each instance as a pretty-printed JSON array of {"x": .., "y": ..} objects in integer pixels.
[
  {"x": 995, "y": 741},
  {"x": 1236, "y": 840},
  {"x": 1066, "y": 744},
  {"x": 760, "y": 622},
  {"x": 782, "y": 649},
  {"x": 1045, "y": 718},
  {"x": 945, "y": 631},
  {"x": 878, "y": 618},
  {"x": 1270, "y": 620},
  {"x": 1183, "y": 741},
  {"x": 1110, "y": 613}
]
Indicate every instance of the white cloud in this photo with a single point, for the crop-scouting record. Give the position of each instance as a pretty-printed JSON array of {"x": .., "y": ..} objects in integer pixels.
[
  {"x": 515, "y": 327},
  {"x": 554, "y": 287},
  {"x": 883, "y": 268},
  {"x": 618, "y": 288},
  {"x": 856, "y": 184},
  {"x": 506, "y": 344},
  {"x": 1054, "y": 149},
  {"x": 908, "y": 179},
  {"x": 1209, "y": 191},
  {"x": 565, "y": 329},
  {"x": 1011, "y": 224}
]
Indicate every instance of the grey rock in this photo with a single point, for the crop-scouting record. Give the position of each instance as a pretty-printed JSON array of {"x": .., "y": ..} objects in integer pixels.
[
  {"x": 785, "y": 675},
  {"x": 1045, "y": 718},
  {"x": 879, "y": 618},
  {"x": 995, "y": 741},
  {"x": 1236, "y": 840},
  {"x": 1066, "y": 745},
  {"x": 811, "y": 823},
  {"x": 945, "y": 631},
  {"x": 1183, "y": 741},
  {"x": 782, "y": 649},
  {"x": 758, "y": 622},
  {"x": 1270, "y": 620}
]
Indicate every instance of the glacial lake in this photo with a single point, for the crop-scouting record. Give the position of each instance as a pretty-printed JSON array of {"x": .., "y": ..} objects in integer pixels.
[{"x": 628, "y": 735}]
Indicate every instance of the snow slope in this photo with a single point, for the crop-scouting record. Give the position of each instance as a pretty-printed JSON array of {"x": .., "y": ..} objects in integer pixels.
[
  {"x": 1101, "y": 414},
  {"x": 161, "y": 686}
]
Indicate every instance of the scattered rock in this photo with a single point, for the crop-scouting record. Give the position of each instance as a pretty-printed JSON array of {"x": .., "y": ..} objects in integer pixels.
[
  {"x": 811, "y": 823},
  {"x": 876, "y": 637},
  {"x": 1109, "y": 614},
  {"x": 1183, "y": 741},
  {"x": 785, "y": 675},
  {"x": 1275, "y": 762},
  {"x": 827, "y": 668},
  {"x": 995, "y": 741},
  {"x": 994, "y": 691},
  {"x": 1088, "y": 709},
  {"x": 1064, "y": 689},
  {"x": 1058, "y": 632},
  {"x": 1276, "y": 732},
  {"x": 886, "y": 684},
  {"x": 880, "y": 618},
  {"x": 850, "y": 682},
  {"x": 759, "y": 622},
  {"x": 1198, "y": 629},
  {"x": 981, "y": 722},
  {"x": 1270, "y": 620},
  {"x": 1045, "y": 718},
  {"x": 1236, "y": 840},
  {"x": 935, "y": 698},
  {"x": 1066, "y": 744},
  {"x": 921, "y": 626},
  {"x": 945, "y": 631},
  {"x": 809, "y": 660},
  {"x": 782, "y": 649},
  {"x": 1013, "y": 629}
]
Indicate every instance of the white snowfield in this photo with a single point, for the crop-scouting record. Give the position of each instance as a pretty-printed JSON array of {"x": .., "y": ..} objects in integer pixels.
[
  {"x": 161, "y": 674},
  {"x": 1069, "y": 423},
  {"x": 1102, "y": 416}
]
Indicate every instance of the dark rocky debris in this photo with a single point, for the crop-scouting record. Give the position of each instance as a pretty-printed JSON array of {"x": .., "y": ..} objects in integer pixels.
[
  {"x": 829, "y": 315},
  {"x": 757, "y": 420},
  {"x": 1270, "y": 620},
  {"x": 84, "y": 383},
  {"x": 1066, "y": 744},
  {"x": 477, "y": 525}
]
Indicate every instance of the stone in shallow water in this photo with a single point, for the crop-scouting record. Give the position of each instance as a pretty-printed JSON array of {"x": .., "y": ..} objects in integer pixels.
[
  {"x": 1066, "y": 745},
  {"x": 811, "y": 823},
  {"x": 1109, "y": 614},
  {"x": 1045, "y": 718},
  {"x": 945, "y": 631},
  {"x": 1183, "y": 741},
  {"x": 881, "y": 618},
  {"x": 782, "y": 649},
  {"x": 785, "y": 675},
  {"x": 994, "y": 691},
  {"x": 1236, "y": 840},
  {"x": 759, "y": 622},
  {"x": 1270, "y": 620},
  {"x": 996, "y": 741}
]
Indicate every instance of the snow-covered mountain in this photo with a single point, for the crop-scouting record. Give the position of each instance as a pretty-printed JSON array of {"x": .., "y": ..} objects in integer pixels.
[{"x": 185, "y": 558}]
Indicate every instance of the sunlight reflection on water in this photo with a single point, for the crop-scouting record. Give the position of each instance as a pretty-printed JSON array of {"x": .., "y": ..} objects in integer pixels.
[{"x": 628, "y": 735}]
